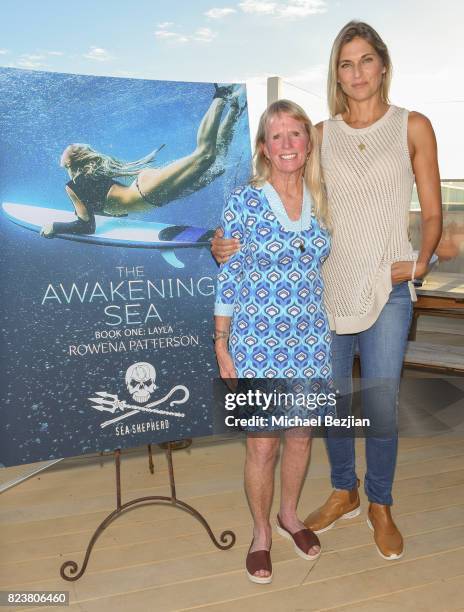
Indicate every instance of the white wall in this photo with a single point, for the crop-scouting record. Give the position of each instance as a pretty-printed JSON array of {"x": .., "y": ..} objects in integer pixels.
[
  {"x": 315, "y": 106},
  {"x": 257, "y": 103},
  {"x": 448, "y": 120}
]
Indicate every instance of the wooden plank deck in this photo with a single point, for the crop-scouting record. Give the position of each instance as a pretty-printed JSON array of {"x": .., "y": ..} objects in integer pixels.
[
  {"x": 160, "y": 558},
  {"x": 434, "y": 356}
]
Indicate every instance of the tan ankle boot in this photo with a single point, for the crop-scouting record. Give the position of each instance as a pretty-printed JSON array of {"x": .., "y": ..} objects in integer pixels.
[
  {"x": 341, "y": 504},
  {"x": 387, "y": 536}
]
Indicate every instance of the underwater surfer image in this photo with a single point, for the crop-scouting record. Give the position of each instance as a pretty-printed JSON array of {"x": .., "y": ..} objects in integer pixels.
[{"x": 93, "y": 190}]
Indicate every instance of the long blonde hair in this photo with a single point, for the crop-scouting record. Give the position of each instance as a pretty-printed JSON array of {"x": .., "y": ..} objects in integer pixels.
[
  {"x": 312, "y": 173},
  {"x": 336, "y": 98},
  {"x": 85, "y": 160}
]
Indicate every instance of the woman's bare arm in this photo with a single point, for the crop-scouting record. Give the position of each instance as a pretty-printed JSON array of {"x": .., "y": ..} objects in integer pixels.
[
  {"x": 423, "y": 151},
  {"x": 221, "y": 346},
  {"x": 79, "y": 206},
  {"x": 425, "y": 165}
]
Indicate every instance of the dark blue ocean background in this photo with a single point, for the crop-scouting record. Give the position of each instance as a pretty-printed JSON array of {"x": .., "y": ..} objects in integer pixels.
[{"x": 44, "y": 391}]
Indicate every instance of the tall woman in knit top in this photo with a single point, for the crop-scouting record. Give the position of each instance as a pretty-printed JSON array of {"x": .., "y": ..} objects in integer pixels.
[
  {"x": 92, "y": 188},
  {"x": 371, "y": 154}
]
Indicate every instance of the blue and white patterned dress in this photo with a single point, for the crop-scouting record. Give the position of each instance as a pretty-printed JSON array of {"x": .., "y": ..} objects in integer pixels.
[{"x": 272, "y": 290}]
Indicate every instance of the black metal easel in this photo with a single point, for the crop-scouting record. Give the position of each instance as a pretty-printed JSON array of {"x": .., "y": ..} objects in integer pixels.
[{"x": 69, "y": 569}]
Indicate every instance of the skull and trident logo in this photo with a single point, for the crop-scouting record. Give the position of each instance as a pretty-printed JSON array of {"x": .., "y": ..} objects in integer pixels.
[{"x": 140, "y": 382}]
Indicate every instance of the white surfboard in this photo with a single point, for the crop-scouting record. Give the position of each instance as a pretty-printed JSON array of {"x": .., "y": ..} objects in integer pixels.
[{"x": 115, "y": 231}]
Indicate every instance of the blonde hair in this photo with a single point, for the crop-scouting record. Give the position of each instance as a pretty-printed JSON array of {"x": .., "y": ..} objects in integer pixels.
[
  {"x": 312, "y": 172},
  {"x": 85, "y": 160},
  {"x": 336, "y": 98}
]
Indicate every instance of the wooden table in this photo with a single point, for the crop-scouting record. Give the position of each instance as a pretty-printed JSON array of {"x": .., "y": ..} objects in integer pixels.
[{"x": 441, "y": 295}]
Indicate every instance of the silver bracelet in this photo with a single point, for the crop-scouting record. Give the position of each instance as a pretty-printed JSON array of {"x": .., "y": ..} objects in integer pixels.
[{"x": 413, "y": 270}]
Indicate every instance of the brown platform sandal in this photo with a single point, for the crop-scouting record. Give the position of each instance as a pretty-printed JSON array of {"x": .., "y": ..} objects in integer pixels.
[
  {"x": 259, "y": 560},
  {"x": 303, "y": 540}
]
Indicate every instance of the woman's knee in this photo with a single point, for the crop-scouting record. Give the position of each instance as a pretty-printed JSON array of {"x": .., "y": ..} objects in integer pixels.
[
  {"x": 297, "y": 441},
  {"x": 262, "y": 450},
  {"x": 204, "y": 156}
]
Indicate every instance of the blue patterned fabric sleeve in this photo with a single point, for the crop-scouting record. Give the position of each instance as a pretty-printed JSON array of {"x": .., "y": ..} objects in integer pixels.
[{"x": 230, "y": 272}]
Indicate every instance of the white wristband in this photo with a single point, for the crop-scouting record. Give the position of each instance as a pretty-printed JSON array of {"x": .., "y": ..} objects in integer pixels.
[{"x": 413, "y": 270}]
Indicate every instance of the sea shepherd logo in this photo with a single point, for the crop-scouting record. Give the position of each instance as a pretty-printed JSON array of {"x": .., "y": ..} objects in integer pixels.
[{"x": 140, "y": 382}]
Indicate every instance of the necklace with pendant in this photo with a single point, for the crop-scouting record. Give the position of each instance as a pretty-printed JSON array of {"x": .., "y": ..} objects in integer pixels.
[
  {"x": 362, "y": 146},
  {"x": 301, "y": 244}
]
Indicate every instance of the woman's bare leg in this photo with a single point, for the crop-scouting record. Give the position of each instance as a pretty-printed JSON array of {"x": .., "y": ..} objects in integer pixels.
[
  {"x": 161, "y": 185},
  {"x": 224, "y": 138},
  {"x": 226, "y": 129},
  {"x": 186, "y": 175},
  {"x": 260, "y": 462},
  {"x": 294, "y": 463}
]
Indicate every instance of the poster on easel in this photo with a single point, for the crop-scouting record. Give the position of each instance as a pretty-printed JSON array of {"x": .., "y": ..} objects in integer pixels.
[{"x": 110, "y": 190}]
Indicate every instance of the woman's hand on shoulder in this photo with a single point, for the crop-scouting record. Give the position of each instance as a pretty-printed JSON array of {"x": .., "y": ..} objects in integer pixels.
[{"x": 222, "y": 248}]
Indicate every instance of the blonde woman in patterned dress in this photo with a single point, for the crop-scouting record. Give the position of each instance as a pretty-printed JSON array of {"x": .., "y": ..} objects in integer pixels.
[{"x": 270, "y": 320}]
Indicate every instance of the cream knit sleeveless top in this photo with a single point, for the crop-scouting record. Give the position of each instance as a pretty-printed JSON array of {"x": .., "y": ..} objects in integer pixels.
[{"x": 369, "y": 180}]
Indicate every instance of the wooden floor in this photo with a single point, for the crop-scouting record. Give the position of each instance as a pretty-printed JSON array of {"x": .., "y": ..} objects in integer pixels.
[{"x": 160, "y": 558}]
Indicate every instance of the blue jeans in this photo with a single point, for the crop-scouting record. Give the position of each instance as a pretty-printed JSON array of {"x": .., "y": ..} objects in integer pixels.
[{"x": 381, "y": 351}]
